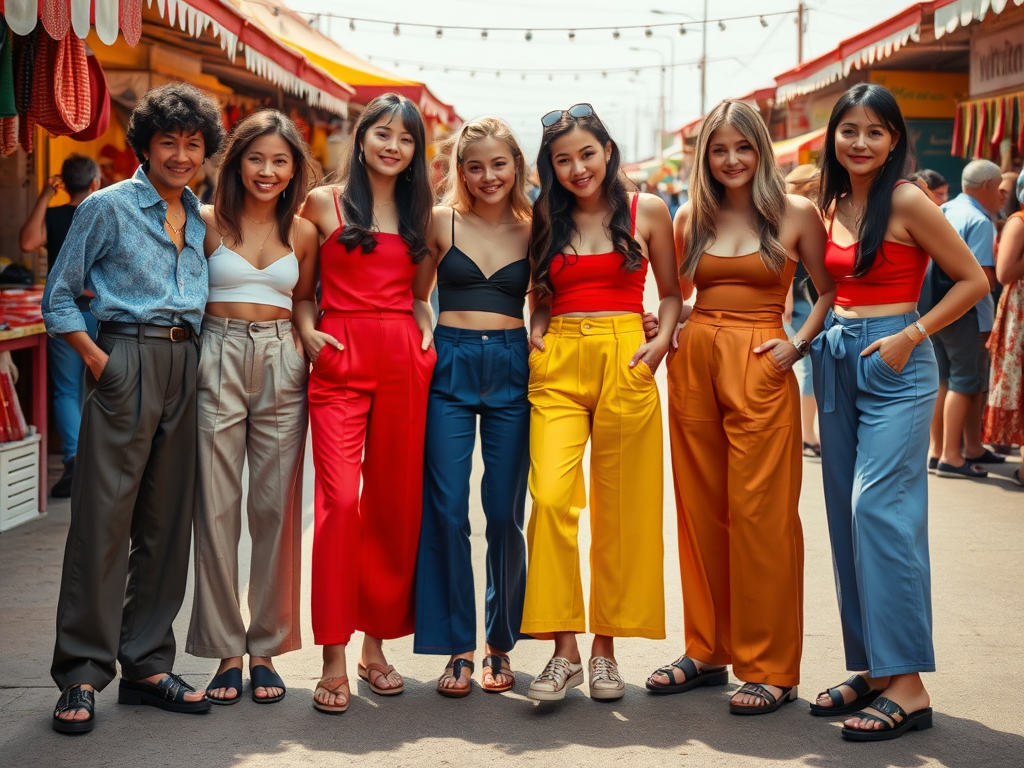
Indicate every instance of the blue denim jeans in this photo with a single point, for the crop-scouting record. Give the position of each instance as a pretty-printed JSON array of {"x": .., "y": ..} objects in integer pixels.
[
  {"x": 874, "y": 449},
  {"x": 67, "y": 372},
  {"x": 478, "y": 374}
]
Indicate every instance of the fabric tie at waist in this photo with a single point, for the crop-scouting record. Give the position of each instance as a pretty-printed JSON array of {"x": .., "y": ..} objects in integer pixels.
[{"x": 834, "y": 350}]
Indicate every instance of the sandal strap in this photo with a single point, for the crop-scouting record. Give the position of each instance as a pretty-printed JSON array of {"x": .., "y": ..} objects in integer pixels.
[
  {"x": 174, "y": 687},
  {"x": 859, "y": 685},
  {"x": 263, "y": 676},
  {"x": 755, "y": 689},
  {"x": 333, "y": 684},
  {"x": 380, "y": 669},
  {"x": 74, "y": 698},
  {"x": 497, "y": 661},
  {"x": 460, "y": 664},
  {"x": 687, "y": 667},
  {"x": 887, "y": 707}
]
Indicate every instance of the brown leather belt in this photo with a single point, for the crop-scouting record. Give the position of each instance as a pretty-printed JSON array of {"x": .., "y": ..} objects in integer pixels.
[{"x": 148, "y": 331}]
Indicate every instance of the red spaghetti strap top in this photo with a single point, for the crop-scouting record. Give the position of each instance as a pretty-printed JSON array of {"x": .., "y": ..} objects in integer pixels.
[
  {"x": 378, "y": 281},
  {"x": 896, "y": 276},
  {"x": 597, "y": 282}
]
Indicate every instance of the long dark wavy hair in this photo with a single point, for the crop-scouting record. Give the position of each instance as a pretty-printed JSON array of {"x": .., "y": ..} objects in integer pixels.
[
  {"x": 413, "y": 198},
  {"x": 553, "y": 226},
  {"x": 229, "y": 201},
  {"x": 835, "y": 180}
]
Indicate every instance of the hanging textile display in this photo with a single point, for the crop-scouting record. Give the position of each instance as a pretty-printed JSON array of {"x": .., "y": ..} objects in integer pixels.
[{"x": 982, "y": 124}]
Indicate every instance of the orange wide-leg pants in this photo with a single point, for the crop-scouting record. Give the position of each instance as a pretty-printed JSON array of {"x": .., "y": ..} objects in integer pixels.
[{"x": 734, "y": 426}]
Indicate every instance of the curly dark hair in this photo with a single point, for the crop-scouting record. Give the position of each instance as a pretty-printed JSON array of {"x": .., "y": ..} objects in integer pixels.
[{"x": 176, "y": 107}]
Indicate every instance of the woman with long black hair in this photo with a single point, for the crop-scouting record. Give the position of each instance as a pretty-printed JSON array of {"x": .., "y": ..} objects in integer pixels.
[{"x": 876, "y": 380}]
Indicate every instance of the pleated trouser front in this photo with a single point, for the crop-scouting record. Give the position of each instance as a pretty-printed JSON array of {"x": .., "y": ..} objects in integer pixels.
[
  {"x": 581, "y": 387},
  {"x": 734, "y": 424},
  {"x": 252, "y": 404}
]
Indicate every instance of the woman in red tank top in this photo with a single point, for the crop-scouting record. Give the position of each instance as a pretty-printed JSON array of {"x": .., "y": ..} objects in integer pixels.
[
  {"x": 876, "y": 380},
  {"x": 372, "y": 357},
  {"x": 592, "y": 378}
]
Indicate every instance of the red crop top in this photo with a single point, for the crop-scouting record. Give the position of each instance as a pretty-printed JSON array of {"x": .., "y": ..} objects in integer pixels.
[
  {"x": 896, "y": 276},
  {"x": 379, "y": 281},
  {"x": 597, "y": 282}
]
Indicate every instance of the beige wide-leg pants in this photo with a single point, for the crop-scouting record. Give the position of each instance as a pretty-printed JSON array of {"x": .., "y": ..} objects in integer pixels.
[{"x": 251, "y": 403}]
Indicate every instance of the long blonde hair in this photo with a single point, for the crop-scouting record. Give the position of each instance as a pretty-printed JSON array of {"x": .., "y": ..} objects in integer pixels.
[
  {"x": 706, "y": 194},
  {"x": 455, "y": 194}
]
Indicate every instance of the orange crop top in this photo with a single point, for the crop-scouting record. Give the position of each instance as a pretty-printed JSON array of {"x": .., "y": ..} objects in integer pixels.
[
  {"x": 597, "y": 282},
  {"x": 896, "y": 276}
]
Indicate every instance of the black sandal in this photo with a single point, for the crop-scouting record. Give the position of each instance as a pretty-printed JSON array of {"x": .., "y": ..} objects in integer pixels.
[
  {"x": 499, "y": 664},
  {"x": 454, "y": 670},
  {"x": 755, "y": 689},
  {"x": 901, "y": 722},
  {"x": 865, "y": 695},
  {"x": 168, "y": 695},
  {"x": 229, "y": 678},
  {"x": 75, "y": 697},
  {"x": 692, "y": 677},
  {"x": 262, "y": 676}
]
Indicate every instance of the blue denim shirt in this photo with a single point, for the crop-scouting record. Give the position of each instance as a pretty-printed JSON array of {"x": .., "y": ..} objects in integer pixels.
[{"x": 118, "y": 249}]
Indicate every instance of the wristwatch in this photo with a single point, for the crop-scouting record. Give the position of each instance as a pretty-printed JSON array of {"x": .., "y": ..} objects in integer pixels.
[{"x": 803, "y": 346}]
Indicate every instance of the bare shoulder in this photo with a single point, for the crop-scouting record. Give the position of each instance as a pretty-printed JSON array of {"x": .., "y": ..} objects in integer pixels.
[
  {"x": 208, "y": 215},
  {"x": 802, "y": 211},
  {"x": 303, "y": 228},
  {"x": 910, "y": 198},
  {"x": 650, "y": 205},
  {"x": 682, "y": 215}
]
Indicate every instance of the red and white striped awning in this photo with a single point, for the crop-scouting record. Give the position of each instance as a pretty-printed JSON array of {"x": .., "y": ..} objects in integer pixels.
[
  {"x": 950, "y": 14},
  {"x": 264, "y": 55}
]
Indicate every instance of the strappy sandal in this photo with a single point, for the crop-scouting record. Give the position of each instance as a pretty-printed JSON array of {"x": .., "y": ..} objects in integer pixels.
[
  {"x": 332, "y": 685},
  {"x": 499, "y": 664},
  {"x": 901, "y": 722},
  {"x": 381, "y": 671},
  {"x": 865, "y": 695},
  {"x": 229, "y": 678},
  {"x": 75, "y": 697},
  {"x": 759, "y": 691},
  {"x": 454, "y": 671},
  {"x": 262, "y": 676},
  {"x": 692, "y": 677}
]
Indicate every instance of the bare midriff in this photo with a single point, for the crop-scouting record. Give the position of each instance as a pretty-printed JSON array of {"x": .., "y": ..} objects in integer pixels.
[
  {"x": 251, "y": 313},
  {"x": 876, "y": 310},
  {"x": 479, "y": 321}
]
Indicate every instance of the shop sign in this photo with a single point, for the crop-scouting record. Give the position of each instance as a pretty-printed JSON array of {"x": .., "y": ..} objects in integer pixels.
[
  {"x": 924, "y": 94},
  {"x": 997, "y": 61}
]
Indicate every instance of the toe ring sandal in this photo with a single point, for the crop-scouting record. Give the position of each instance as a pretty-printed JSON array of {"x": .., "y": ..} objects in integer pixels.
[
  {"x": 499, "y": 664},
  {"x": 753, "y": 689},
  {"x": 168, "y": 695},
  {"x": 262, "y": 676},
  {"x": 229, "y": 678},
  {"x": 333, "y": 685},
  {"x": 901, "y": 722},
  {"x": 865, "y": 695},
  {"x": 380, "y": 671},
  {"x": 72, "y": 698},
  {"x": 692, "y": 677},
  {"x": 454, "y": 671}
]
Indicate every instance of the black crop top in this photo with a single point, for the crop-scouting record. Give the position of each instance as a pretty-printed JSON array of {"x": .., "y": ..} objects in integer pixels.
[{"x": 463, "y": 287}]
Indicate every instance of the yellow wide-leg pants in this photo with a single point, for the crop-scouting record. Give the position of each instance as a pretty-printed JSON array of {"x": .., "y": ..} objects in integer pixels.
[{"x": 582, "y": 387}]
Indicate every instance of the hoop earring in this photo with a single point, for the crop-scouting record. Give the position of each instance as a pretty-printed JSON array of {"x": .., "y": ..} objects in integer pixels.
[
  {"x": 284, "y": 194},
  {"x": 361, "y": 157}
]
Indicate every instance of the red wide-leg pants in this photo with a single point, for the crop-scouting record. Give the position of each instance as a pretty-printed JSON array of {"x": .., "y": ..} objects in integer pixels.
[{"x": 367, "y": 408}]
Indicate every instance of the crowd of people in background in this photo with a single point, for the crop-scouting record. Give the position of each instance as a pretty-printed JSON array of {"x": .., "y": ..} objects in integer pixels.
[{"x": 225, "y": 329}]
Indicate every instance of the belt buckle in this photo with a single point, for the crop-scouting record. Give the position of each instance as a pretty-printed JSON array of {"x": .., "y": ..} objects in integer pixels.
[{"x": 178, "y": 333}]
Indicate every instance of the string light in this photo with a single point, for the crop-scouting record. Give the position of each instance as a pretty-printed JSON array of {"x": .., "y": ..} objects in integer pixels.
[
  {"x": 616, "y": 35},
  {"x": 529, "y": 35},
  {"x": 351, "y": 25},
  {"x": 721, "y": 25},
  {"x": 682, "y": 29},
  {"x": 397, "y": 31},
  {"x": 648, "y": 32},
  {"x": 572, "y": 35},
  {"x": 483, "y": 34},
  {"x": 439, "y": 34},
  {"x": 524, "y": 73},
  {"x": 764, "y": 22}
]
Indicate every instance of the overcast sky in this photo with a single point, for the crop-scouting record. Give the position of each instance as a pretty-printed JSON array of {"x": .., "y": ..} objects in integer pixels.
[{"x": 743, "y": 57}]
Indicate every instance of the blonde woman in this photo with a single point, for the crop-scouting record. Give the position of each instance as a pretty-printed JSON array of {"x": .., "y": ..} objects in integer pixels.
[
  {"x": 734, "y": 416},
  {"x": 479, "y": 238}
]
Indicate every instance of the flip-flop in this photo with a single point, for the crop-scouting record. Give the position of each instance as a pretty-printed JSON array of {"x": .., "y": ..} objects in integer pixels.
[
  {"x": 262, "y": 676},
  {"x": 332, "y": 685},
  {"x": 915, "y": 721},
  {"x": 964, "y": 470},
  {"x": 454, "y": 670},
  {"x": 865, "y": 695},
  {"x": 499, "y": 664},
  {"x": 692, "y": 677},
  {"x": 755, "y": 689},
  {"x": 229, "y": 678},
  {"x": 380, "y": 669}
]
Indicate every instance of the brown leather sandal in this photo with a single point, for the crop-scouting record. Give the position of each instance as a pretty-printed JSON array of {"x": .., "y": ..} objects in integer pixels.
[
  {"x": 498, "y": 664},
  {"x": 453, "y": 672},
  {"x": 380, "y": 671},
  {"x": 333, "y": 685}
]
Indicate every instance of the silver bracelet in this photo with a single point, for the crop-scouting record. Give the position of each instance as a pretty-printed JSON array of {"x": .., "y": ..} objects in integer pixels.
[{"x": 917, "y": 324}]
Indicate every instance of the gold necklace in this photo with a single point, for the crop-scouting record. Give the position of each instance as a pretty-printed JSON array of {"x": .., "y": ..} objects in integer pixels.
[
  {"x": 260, "y": 223},
  {"x": 174, "y": 229}
]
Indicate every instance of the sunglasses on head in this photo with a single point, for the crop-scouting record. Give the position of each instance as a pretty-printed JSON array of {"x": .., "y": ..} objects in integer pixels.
[{"x": 576, "y": 110}]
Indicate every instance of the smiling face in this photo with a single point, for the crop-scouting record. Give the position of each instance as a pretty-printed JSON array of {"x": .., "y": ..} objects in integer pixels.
[
  {"x": 488, "y": 170},
  {"x": 174, "y": 159},
  {"x": 387, "y": 146},
  {"x": 863, "y": 142},
  {"x": 580, "y": 162},
  {"x": 266, "y": 166},
  {"x": 732, "y": 159}
]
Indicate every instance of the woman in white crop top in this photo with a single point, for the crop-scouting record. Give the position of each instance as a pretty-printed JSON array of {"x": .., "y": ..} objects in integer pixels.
[{"x": 252, "y": 402}]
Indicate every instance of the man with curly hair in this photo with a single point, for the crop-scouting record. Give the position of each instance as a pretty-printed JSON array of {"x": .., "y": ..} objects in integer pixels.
[{"x": 138, "y": 246}]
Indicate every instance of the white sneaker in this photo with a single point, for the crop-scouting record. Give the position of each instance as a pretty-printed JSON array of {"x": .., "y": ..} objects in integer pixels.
[
  {"x": 558, "y": 676},
  {"x": 606, "y": 683}
]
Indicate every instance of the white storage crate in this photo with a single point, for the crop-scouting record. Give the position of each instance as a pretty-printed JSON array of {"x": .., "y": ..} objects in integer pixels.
[{"x": 19, "y": 482}]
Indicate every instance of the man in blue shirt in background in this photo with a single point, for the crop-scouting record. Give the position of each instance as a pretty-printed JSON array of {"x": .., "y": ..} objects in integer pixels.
[{"x": 138, "y": 246}]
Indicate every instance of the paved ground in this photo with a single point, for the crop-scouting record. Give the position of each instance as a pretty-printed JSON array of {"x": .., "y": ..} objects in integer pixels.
[{"x": 977, "y": 543}]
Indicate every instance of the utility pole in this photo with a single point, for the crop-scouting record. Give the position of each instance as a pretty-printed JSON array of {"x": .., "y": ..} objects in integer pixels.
[
  {"x": 704, "y": 57},
  {"x": 800, "y": 33}
]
